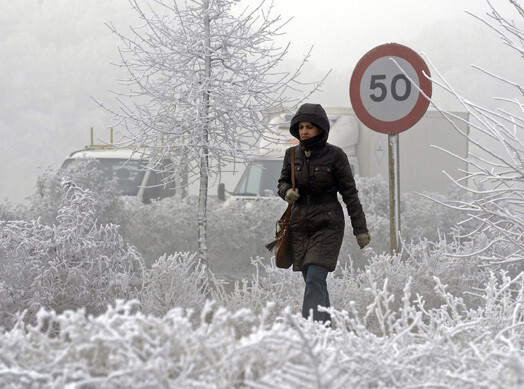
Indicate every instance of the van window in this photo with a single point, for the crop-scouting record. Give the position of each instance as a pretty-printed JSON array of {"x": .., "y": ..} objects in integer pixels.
[{"x": 259, "y": 179}]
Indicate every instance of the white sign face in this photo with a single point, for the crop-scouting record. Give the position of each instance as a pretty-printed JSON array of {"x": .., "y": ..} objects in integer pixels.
[{"x": 386, "y": 92}]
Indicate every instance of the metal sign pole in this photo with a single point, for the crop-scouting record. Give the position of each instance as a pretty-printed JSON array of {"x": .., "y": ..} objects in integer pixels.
[{"x": 394, "y": 193}]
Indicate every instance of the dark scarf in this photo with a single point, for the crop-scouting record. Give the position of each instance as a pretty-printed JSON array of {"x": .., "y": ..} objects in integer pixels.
[{"x": 315, "y": 143}]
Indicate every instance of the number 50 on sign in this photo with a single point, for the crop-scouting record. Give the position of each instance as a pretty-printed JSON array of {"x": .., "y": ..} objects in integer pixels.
[{"x": 382, "y": 91}]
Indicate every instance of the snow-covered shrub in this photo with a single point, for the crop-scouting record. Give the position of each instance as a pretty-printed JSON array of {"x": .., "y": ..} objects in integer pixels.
[
  {"x": 268, "y": 284},
  {"x": 421, "y": 264},
  {"x": 350, "y": 253},
  {"x": 351, "y": 288},
  {"x": 424, "y": 215},
  {"x": 9, "y": 211},
  {"x": 86, "y": 174},
  {"x": 125, "y": 348},
  {"x": 239, "y": 231},
  {"x": 162, "y": 227},
  {"x": 373, "y": 193},
  {"x": 75, "y": 263},
  {"x": 452, "y": 345},
  {"x": 174, "y": 281},
  {"x": 422, "y": 218},
  {"x": 448, "y": 346}
]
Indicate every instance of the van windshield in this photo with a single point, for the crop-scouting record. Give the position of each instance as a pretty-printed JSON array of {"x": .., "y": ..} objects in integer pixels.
[
  {"x": 128, "y": 174},
  {"x": 259, "y": 179}
]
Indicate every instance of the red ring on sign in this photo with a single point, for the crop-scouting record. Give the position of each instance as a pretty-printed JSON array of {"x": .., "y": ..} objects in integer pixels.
[{"x": 422, "y": 70}]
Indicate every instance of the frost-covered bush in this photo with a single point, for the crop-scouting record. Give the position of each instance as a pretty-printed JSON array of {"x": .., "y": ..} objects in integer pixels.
[
  {"x": 75, "y": 263},
  {"x": 162, "y": 227},
  {"x": 373, "y": 193},
  {"x": 177, "y": 280},
  {"x": 351, "y": 288},
  {"x": 268, "y": 284},
  {"x": 239, "y": 230},
  {"x": 422, "y": 218},
  {"x": 451, "y": 346},
  {"x": 424, "y": 215},
  {"x": 86, "y": 174},
  {"x": 420, "y": 266},
  {"x": 9, "y": 211}
]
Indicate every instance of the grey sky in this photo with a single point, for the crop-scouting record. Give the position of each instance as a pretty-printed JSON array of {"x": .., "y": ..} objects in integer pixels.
[{"x": 56, "y": 54}]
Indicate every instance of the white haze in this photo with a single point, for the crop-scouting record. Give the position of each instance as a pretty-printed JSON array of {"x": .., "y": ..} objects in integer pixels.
[{"x": 57, "y": 55}]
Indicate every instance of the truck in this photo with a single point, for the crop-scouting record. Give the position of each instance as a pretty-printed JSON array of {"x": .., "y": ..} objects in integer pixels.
[
  {"x": 128, "y": 167},
  {"x": 421, "y": 162}
]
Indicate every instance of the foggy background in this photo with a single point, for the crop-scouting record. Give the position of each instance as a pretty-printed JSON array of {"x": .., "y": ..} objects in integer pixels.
[{"x": 57, "y": 55}]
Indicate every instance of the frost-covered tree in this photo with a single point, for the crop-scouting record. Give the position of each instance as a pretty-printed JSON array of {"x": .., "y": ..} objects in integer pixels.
[
  {"x": 202, "y": 76},
  {"x": 495, "y": 174}
]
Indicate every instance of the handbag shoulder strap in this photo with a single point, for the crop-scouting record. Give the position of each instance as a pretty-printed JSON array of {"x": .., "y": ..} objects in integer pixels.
[
  {"x": 287, "y": 214},
  {"x": 293, "y": 166}
]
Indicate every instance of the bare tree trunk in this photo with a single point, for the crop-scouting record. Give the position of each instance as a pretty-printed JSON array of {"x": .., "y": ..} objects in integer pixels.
[{"x": 204, "y": 156}]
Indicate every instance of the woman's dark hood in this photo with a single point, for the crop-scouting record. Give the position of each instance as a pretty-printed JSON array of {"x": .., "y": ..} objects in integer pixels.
[
  {"x": 312, "y": 113},
  {"x": 316, "y": 115}
]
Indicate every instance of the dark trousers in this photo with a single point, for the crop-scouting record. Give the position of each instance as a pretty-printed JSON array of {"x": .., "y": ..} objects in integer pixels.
[{"x": 316, "y": 292}]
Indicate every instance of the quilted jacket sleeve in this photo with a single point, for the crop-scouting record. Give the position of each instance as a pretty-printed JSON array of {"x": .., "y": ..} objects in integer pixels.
[
  {"x": 284, "y": 182},
  {"x": 348, "y": 189}
]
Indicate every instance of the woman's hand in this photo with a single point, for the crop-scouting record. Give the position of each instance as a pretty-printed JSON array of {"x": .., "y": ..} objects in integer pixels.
[
  {"x": 292, "y": 195},
  {"x": 363, "y": 239}
]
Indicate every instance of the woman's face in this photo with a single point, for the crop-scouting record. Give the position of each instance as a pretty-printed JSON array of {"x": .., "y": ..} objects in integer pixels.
[{"x": 307, "y": 130}]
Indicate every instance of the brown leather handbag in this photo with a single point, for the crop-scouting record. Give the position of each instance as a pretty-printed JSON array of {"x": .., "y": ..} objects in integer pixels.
[{"x": 280, "y": 245}]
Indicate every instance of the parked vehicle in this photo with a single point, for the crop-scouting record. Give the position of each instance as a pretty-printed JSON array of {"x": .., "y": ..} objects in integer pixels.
[{"x": 128, "y": 168}]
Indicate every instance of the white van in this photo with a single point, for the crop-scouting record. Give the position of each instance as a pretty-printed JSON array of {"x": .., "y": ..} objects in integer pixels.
[{"x": 128, "y": 168}]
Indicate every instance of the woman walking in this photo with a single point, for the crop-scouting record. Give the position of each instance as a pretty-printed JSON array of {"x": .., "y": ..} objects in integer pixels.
[{"x": 317, "y": 220}]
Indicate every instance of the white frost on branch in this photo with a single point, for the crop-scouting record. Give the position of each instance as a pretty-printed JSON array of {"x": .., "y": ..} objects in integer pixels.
[
  {"x": 495, "y": 173},
  {"x": 450, "y": 346}
]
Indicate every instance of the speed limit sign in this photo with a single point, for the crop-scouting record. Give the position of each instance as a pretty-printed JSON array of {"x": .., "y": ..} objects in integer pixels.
[
  {"x": 390, "y": 91},
  {"x": 384, "y": 88}
]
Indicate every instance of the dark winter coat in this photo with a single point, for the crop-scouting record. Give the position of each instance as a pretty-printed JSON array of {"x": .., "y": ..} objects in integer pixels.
[{"x": 317, "y": 219}]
